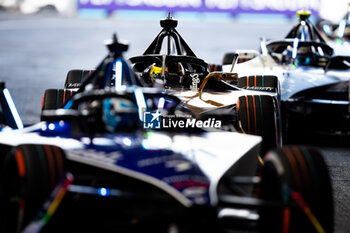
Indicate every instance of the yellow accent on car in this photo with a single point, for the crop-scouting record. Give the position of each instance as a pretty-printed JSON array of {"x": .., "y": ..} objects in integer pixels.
[
  {"x": 156, "y": 70},
  {"x": 303, "y": 14}
]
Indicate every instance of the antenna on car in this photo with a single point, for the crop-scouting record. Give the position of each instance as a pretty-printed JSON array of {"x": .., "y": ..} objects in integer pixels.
[
  {"x": 234, "y": 60},
  {"x": 169, "y": 25},
  {"x": 116, "y": 46},
  {"x": 116, "y": 49},
  {"x": 303, "y": 27},
  {"x": 263, "y": 46}
]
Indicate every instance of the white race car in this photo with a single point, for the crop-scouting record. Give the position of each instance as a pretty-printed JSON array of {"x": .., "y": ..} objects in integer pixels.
[{"x": 314, "y": 83}]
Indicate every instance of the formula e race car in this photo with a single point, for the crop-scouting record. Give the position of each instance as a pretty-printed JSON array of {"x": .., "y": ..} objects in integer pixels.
[
  {"x": 181, "y": 73},
  {"x": 92, "y": 166},
  {"x": 315, "y": 87}
]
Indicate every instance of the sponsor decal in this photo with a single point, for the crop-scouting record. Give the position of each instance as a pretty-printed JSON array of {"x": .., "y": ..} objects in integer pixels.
[
  {"x": 178, "y": 165},
  {"x": 193, "y": 187},
  {"x": 97, "y": 155},
  {"x": 73, "y": 85},
  {"x": 260, "y": 88},
  {"x": 195, "y": 82},
  {"x": 156, "y": 160}
]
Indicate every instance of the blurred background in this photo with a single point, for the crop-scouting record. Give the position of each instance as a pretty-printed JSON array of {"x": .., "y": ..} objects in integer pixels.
[{"x": 327, "y": 9}]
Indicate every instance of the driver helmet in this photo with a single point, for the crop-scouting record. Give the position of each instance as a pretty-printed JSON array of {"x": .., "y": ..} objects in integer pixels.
[
  {"x": 174, "y": 73},
  {"x": 119, "y": 114},
  {"x": 304, "y": 56}
]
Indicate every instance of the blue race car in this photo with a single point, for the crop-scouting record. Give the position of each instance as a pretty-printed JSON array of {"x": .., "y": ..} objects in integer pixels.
[{"x": 93, "y": 166}]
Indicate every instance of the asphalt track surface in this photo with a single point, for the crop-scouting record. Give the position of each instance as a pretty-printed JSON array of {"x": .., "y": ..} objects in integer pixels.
[{"x": 37, "y": 51}]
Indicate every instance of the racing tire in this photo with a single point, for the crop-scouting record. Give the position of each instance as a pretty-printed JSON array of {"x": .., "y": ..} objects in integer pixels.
[
  {"x": 55, "y": 98},
  {"x": 30, "y": 174},
  {"x": 75, "y": 77},
  {"x": 257, "y": 116},
  {"x": 259, "y": 82},
  {"x": 295, "y": 175},
  {"x": 228, "y": 58}
]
